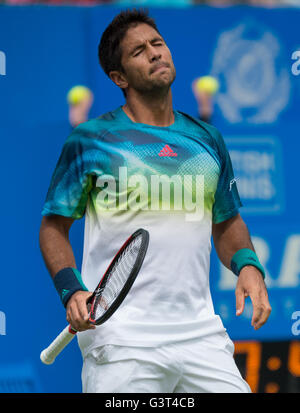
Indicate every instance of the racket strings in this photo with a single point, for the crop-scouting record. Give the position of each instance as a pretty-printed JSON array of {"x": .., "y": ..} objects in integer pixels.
[{"x": 118, "y": 277}]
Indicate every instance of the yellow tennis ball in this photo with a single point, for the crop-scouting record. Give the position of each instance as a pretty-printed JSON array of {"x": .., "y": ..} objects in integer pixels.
[
  {"x": 207, "y": 84},
  {"x": 77, "y": 94}
]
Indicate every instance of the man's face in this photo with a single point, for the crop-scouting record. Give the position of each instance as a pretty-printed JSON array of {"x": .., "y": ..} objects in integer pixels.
[{"x": 146, "y": 60}]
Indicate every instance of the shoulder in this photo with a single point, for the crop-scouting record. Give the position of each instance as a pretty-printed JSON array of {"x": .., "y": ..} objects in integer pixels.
[
  {"x": 87, "y": 134},
  {"x": 210, "y": 132},
  {"x": 96, "y": 127}
]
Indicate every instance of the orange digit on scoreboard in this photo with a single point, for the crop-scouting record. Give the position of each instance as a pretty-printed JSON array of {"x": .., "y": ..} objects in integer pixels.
[
  {"x": 294, "y": 358},
  {"x": 252, "y": 349}
]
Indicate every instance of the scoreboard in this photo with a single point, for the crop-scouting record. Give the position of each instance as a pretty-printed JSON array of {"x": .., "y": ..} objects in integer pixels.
[{"x": 269, "y": 367}]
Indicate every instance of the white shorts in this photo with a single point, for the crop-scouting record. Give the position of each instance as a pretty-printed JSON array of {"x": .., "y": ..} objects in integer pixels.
[{"x": 203, "y": 365}]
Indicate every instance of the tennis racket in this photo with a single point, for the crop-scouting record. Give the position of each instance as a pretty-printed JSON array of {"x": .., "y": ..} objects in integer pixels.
[{"x": 110, "y": 292}]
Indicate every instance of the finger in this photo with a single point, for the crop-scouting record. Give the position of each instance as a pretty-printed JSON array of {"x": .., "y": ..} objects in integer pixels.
[
  {"x": 76, "y": 316},
  {"x": 260, "y": 316},
  {"x": 88, "y": 307},
  {"x": 82, "y": 308},
  {"x": 257, "y": 309},
  {"x": 72, "y": 317},
  {"x": 257, "y": 313},
  {"x": 261, "y": 309},
  {"x": 84, "y": 315},
  {"x": 265, "y": 316},
  {"x": 240, "y": 301}
]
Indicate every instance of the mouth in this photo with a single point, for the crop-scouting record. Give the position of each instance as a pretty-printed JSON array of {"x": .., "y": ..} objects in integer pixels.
[{"x": 159, "y": 67}]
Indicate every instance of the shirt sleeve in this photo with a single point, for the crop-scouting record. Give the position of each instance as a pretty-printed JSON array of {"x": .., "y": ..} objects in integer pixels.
[
  {"x": 70, "y": 184},
  {"x": 227, "y": 199}
]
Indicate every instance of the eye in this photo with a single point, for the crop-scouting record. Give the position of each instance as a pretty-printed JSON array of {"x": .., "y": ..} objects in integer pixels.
[
  {"x": 137, "y": 53},
  {"x": 158, "y": 42}
]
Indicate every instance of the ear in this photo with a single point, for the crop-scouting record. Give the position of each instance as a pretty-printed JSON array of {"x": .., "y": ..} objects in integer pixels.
[{"x": 119, "y": 79}]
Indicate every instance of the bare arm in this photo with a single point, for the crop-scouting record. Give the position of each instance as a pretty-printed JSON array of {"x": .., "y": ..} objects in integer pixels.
[
  {"x": 230, "y": 236},
  {"x": 58, "y": 254},
  {"x": 55, "y": 244}
]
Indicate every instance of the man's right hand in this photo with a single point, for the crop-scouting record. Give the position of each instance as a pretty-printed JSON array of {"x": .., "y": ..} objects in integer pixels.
[{"x": 77, "y": 311}]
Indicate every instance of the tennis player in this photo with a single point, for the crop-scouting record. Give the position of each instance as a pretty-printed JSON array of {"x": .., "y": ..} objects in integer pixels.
[{"x": 148, "y": 165}]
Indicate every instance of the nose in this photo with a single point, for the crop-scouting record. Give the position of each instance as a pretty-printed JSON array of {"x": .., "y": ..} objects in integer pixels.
[{"x": 153, "y": 53}]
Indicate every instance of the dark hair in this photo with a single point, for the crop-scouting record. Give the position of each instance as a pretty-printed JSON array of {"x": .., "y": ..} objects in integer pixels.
[{"x": 109, "y": 50}]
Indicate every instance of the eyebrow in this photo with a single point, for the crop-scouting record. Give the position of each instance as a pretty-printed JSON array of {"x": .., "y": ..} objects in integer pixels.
[{"x": 141, "y": 45}]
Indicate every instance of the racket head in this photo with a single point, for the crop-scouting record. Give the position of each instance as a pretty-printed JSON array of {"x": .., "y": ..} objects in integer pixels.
[{"x": 135, "y": 247}]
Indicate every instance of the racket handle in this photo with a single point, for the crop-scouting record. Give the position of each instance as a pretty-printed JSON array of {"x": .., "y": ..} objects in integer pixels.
[{"x": 50, "y": 353}]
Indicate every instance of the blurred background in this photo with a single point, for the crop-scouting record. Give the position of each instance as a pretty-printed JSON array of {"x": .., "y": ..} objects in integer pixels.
[{"x": 238, "y": 67}]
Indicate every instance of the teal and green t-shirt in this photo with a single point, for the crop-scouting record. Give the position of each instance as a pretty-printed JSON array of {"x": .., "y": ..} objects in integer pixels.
[{"x": 175, "y": 182}]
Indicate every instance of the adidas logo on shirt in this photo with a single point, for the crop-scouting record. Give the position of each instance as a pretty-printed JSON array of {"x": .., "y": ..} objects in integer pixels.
[{"x": 167, "y": 151}]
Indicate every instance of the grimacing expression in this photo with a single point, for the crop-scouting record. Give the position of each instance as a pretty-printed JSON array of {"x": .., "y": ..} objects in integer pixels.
[{"x": 146, "y": 60}]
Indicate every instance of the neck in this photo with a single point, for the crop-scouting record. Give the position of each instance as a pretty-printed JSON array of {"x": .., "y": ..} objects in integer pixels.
[{"x": 151, "y": 110}]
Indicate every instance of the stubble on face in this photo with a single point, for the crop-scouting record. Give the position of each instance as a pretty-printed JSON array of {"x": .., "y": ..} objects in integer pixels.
[{"x": 147, "y": 61}]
